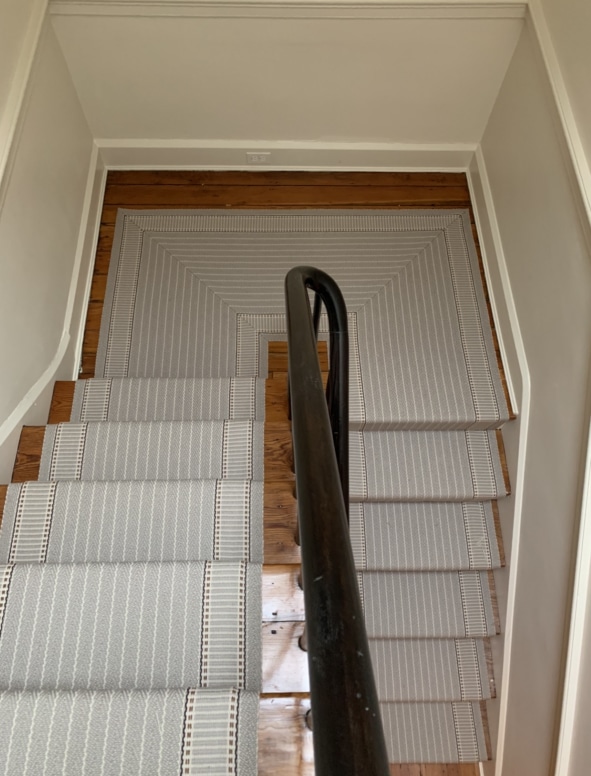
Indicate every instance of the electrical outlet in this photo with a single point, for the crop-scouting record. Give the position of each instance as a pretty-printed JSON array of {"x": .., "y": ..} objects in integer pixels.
[{"x": 258, "y": 157}]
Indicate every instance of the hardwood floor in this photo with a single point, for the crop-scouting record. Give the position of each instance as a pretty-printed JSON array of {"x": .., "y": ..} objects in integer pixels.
[{"x": 284, "y": 741}]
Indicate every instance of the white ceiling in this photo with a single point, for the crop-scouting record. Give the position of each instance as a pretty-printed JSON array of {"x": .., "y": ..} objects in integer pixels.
[{"x": 415, "y": 80}]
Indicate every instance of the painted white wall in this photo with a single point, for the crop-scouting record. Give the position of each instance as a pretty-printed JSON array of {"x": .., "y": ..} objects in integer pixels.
[
  {"x": 569, "y": 27},
  {"x": 569, "y": 22},
  {"x": 580, "y": 749},
  {"x": 40, "y": 221},
  {"x": 545, "y": 246},
  {"x": 15, "y": 20},
  {"x": 19, "y": 29},
  {"x": 574, "y": 747},
  {"x": 409, "y": 80}
]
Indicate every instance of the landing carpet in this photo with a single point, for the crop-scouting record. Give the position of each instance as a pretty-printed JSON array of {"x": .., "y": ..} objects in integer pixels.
[{"x": 200, "y": 293}]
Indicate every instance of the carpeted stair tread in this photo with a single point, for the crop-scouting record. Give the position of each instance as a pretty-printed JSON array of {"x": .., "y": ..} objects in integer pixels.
[
  {"x": 160, "y": 450},
  {"x": 164, "y": 732},
  {"x": 432, "y": 669},
  {"x": 425, "y": 466},
  {"x": 130, "y": 626},
  {"x": 93, "y": 522},
  {"x": 435, "y": 732},
  {"x": 169, "y": 399},
  {"x": 409, "y": 605},
  {"x": 424, "y": 536}
]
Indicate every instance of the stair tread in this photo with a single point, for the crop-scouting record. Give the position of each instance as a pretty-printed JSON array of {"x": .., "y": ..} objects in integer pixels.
[
  {"x": 405, "y": 670},
  {"x": 434, "y": 536},
  {"x": 125, "y": 399},
  {"x": 153, "y": 450},
  {"x": 130, "y": 625},
  {"x": 84, "y": 732},
  {"x": 400, "y": 604},
  {"x": 239, "y": 398},
  {"x": 425, "y": 466},
  {"x": 285, "y": 743},
  {"x": 428, "y": 604},
  {"x": 115, "y": 721},
  {"x": 435, "y": 732},
  {"x": 110, "y": 521}
]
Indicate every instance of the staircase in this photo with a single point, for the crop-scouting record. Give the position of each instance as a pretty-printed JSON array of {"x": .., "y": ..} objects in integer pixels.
[{"x": 131, "y": 598}]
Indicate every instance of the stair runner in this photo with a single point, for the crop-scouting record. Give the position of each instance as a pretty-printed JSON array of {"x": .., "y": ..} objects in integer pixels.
[
  {"x": 130, "y": 605},
  {"x": 130, "y": 598}
]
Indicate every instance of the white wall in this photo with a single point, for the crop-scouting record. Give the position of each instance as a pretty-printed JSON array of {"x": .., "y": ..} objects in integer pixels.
[
  {"x": 406, "y": 80},
  {"x": 580, "y": 753},
  {"x": 18, "y": 34},
  {"x": 16, "y": 15},
  {"x": 45, "y": 187},
  {"x": 569, "y": 22},
  {"x": 547, "y": 257}
]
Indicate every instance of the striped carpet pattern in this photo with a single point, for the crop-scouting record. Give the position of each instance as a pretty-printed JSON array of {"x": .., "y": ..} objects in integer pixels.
[
  {"x": 119, "y": 522},
  {"x": 130, "y": 590},
  {"x": 402, "y": 536},
  {"x": 434, "y": 732},
  {"x": 158, "y": 450},
  {"x": 164, "y": 732},
  {"x": 411, "y": 280},
  {"x": 124, "y": 626},
  {"x": 425, "y": 466},
  {"x": 231, "y": 398},
  {"x": 422, "y": 604},
  {"x": 432, "y": 670}
]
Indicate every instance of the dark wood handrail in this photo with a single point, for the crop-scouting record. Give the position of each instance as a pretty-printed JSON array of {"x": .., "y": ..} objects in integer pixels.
[{"x": 348, "y": 734}]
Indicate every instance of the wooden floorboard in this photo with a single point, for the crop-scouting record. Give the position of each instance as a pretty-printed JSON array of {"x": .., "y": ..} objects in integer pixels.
[
  {"x": 283, "y": 599},
  {"x": 278, "y": 452},
  {"x": 285, "y": 743},
  {"x": 503, "y": 457},
  {"x": 28, "y": 456},
  {"x": 280, "y": 518},
  {"x": 61, "y": 402},
  {"x": 499, "y": 533},
  {"x": 267, "y": 196},
  {"x": 278, "y": 178},
  {"x": 285, "y": 664},
  {"x": 3, "y": 491}
]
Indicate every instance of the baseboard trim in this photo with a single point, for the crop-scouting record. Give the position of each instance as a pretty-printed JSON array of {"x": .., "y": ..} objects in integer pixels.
[
  {"x": 520, "y": 387},
  {"x": 79, "y": 296},
  {"x": 290, "y": 9},
  {"x": 331, "y": 157},
  {"x": 577, "y": 634}
]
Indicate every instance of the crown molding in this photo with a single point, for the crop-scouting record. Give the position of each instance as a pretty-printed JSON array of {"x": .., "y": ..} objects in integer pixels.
[
  {"x": 289, "y": 9},
  {"x": 142, "y": 153}
]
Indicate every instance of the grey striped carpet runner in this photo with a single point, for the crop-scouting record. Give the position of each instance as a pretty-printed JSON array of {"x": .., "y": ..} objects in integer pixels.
[{"x": 130, "y": 595}]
